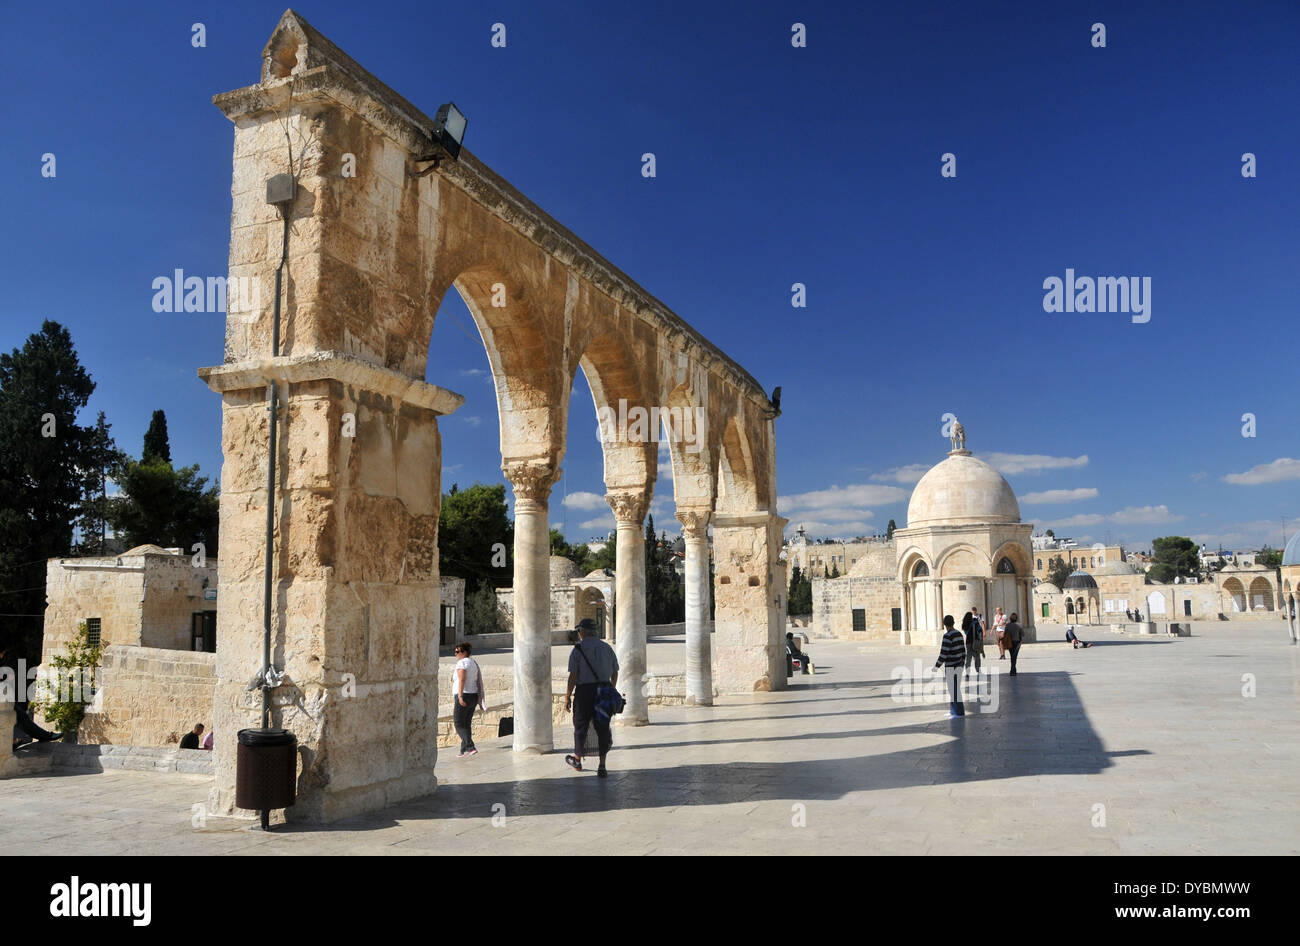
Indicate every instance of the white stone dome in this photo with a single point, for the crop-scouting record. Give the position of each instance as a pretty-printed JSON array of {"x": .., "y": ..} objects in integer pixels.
[
  {"x": 563, "y": 570},
  {"x": 962, "y": 490}
]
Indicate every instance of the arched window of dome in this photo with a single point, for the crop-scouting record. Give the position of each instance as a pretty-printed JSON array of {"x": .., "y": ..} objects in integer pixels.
[
  {"x": 1005, "y": 567},
  {"x": 921, "y": 570}
]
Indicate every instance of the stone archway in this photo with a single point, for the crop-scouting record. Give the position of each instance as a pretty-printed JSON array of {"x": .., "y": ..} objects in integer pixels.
[
  {"x": 356, "y": 501},
  {"x": 1236, "y": 593}
]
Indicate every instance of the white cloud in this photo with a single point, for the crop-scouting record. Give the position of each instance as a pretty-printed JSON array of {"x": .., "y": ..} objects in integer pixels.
[
  {"x": 1279, "y": 471},
  {"x": 1246, "y": 535},
  {"x": 601, "y": 523},
  {"x": 1013, "y": 463},
  {"x": 1129, "y": 516},
  {"x": 584, "y": 500},
  {"x": 472, "y": 420},
  {"x": 1059, "y": 496},
  {"x": 854, "y": 495},
  {"x": 1198, "y": 477},
  {"x": 476, "y": 373},
  {"x": 902, "y": 474}
]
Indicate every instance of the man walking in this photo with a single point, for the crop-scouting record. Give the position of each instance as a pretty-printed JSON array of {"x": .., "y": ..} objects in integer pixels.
[
  {"x": 1015, "y": 635},
  {"x": 591, "y": 663},
  {"x": 952, "y": 656}
]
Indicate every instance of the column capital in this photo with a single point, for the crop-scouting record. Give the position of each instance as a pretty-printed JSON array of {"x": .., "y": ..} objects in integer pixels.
[
  {"x": 629, "y": 505},
  {"x": 695, "y": 522},
  {"x": 531, "y": 479}
]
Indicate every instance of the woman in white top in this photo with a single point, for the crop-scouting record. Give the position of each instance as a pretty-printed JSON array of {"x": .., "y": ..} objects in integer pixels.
[
  {"x": 999, "y": 628},
  {"x": 467, "y": 693}
]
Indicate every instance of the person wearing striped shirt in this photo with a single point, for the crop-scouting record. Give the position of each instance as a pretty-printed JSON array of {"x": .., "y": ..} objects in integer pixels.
[{"x": 952, "y": 657}]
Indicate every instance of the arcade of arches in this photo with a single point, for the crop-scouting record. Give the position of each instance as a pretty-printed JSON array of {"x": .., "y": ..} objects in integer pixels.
[{"x": 357, "y": 496}]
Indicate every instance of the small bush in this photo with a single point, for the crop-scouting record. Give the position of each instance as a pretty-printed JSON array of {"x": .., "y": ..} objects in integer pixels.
[{"x": 71, "y": 683}]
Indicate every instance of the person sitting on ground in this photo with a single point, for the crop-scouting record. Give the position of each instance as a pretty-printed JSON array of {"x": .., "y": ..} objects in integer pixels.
[
  {"x": 191, "y": 739},
  {"x": 792, "y": 653},
  {"x": 1074, "y": 639}
]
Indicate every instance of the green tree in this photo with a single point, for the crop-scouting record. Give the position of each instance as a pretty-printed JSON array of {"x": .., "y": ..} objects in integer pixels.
[
  {"x": 1269, "y": 558},
  {"x": 47, "y": 465},
  {"x": 65, "y": 697},
  {"x": 607, "y": 557},
  {"x": 799, "y": 597},
  {"x": 101, "y": 458},
  {"x": 476, "y": 537},
  {"x": 482, "y": 613},
  {"x": 1058, "y": 569},
  {"x": 892, "y": 528},
  {"x": 1051, "y": 534},
  {"x": 1174, "y": 556},
  {"x": 665, "y": 602},
  {"x": 835, "y": 570},
  {"x": 580, "y": 555},
  {"x": 156, "y": 444},
  {"x": 164, "y": 506}
]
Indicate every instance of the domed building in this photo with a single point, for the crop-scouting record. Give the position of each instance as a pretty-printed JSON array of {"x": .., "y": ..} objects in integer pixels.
[
  {"x": 964, "y": 545},
  {"x": 1082, "y": 597},
  {"x": 1291, "y": 585}
]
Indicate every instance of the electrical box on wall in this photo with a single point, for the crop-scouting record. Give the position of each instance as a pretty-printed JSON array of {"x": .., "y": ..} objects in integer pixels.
[{"x": 280, "y": 189}]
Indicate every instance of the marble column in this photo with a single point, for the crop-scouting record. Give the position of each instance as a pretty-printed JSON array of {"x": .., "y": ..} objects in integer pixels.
[
  {"x": 532, "y": 597},
  {"x": 629, "y": 617},
  {"x": 699, "y": 646}
]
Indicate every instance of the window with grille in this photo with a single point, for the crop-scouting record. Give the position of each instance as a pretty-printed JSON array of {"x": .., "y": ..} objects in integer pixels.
[
  {"x": 92, "y": 631},
  {"x": 859, "y": 619}
]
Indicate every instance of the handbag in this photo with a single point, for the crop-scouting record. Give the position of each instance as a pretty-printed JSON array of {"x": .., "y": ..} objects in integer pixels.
[{"x": 609, "y": 702}]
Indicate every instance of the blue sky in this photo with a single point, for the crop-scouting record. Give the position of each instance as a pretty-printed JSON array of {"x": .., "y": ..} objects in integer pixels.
[{"x": 775, "y": 165}]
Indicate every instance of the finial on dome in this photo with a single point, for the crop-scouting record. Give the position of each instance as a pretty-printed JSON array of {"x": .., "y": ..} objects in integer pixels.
[{"x": 958, "y": 440}]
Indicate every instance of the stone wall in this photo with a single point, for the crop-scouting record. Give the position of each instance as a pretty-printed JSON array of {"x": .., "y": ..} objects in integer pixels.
[
  {"x": 173, "y": 591},
  {"x": 1209, "y": 602},
  {"x": 149, "y": 696},
  {"x": 834, "y": 601},
  {"x": 77, "y": 589},
  {"x": 146, "y": 597}
]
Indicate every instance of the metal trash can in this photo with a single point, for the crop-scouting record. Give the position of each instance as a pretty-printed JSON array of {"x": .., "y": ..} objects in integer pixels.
[{"x": 266, "y": 769}]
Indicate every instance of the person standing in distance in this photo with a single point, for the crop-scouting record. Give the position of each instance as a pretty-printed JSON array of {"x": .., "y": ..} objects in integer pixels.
[
  {"x": 467, "y": 695},
  {"x": 1015, "y": 635}
]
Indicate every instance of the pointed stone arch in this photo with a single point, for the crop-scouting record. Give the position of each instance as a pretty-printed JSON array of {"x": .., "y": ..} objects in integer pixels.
[{"x": 370, "y": 260}]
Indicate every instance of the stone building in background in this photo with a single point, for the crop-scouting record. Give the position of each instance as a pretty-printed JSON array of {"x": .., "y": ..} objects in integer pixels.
[
  {"x": 574, "y": 597},
  {"x": 155, "y": 612},
  {"x": 964, "y": 546},
  {"x": 145, "y": 597}
]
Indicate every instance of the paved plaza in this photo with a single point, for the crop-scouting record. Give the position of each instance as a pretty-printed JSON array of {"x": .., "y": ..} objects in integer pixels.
[{"x": 1156, "y": 730}]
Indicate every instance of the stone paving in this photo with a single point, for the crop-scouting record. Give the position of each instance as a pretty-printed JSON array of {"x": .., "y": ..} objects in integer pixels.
[{"x": 1155, "y": 730}]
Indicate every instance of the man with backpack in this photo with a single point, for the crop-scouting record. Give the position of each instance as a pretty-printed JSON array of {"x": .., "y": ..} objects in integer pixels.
[{"x": 593, "y": 666}]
